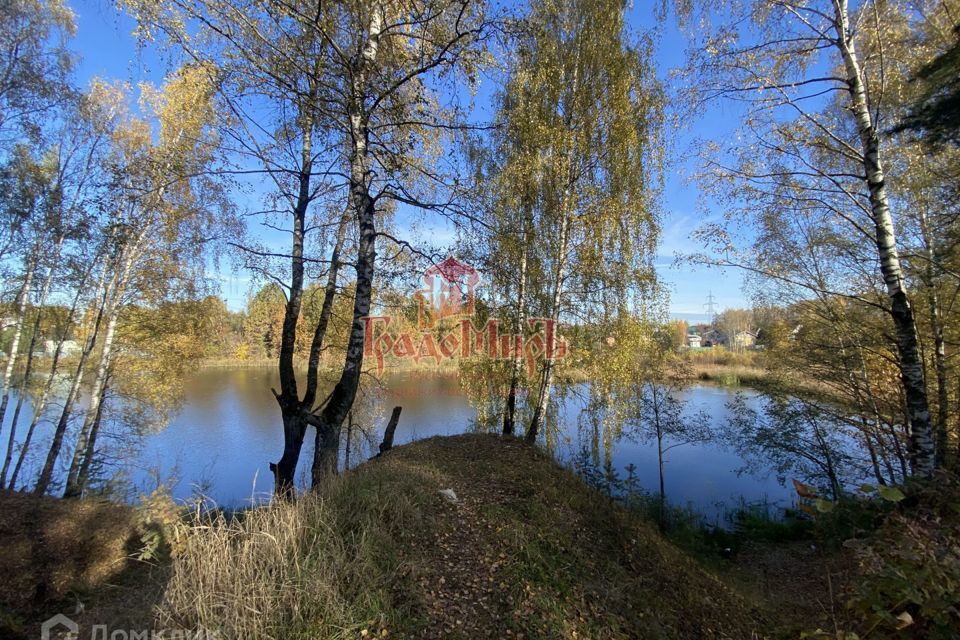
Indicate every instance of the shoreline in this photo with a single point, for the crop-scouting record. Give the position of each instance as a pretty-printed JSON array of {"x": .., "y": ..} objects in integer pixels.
[{"x": 728, "y": 375}]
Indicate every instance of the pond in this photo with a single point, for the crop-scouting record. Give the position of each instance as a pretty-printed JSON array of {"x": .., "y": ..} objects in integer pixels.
[
  {"x": 228, "y": 431},
  {"x": 220, "y": 442}
]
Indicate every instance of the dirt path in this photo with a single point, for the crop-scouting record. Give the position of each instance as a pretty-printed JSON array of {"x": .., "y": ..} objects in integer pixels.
[
  {"x": 463, "y": 593},
  {"x": 527, "y": 551}
]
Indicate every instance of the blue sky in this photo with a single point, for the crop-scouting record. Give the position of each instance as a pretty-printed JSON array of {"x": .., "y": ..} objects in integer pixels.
[{"x": 107, "y": 49}]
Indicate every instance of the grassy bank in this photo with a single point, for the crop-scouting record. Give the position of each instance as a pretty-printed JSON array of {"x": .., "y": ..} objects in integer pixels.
[
  {"x": 237, "y": 363},
  {"x": 74, "y": 557},
  {"x": 730, "y": 368},
  {"x": 527, "y": 549},
  {"x": 730, "y": 375}
]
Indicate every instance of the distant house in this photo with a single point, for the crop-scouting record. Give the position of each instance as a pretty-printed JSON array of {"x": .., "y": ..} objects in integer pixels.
[
  {"x": 713, "y": 338},
  {"x": 744, "y": 339},
  {"x": 70, "y": 347},
  {"x": 704, "y": 335}
]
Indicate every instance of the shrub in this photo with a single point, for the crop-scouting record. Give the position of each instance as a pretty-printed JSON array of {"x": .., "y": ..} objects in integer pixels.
[{"x": 910, "y": 569}]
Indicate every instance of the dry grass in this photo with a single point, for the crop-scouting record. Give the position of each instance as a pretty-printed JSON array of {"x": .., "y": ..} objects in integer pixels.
[
  {"x": 61, "y": 554},
  {"x": 726, "y": 367},
  {"x": 237, "y": 363},
  {"x": 318, "y": 568},
  {"x": 527, "y": 551},
  {"x": 391, "y": 365},
  {"x": 730, "y": 375},
  {"x": 724, "y": 357}
]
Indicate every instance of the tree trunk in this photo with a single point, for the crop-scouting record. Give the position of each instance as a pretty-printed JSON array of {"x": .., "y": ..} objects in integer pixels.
[
  {"x": 940, "y": 366},
  {"x": 387, "y": 443},
  {"x": 875, "y": 414},
  {"x": 326, "y": 311},
  {"x": 294, "y": 423},
  {"x": 346, "y": 452},
  {"x": 22, "y": 297},
  {"x": 330, "y": 420},
  {"x": 28, "y": 369},
  {"x": 326, "y": 457},
  {"x": 41, "y": 404},
  {"x": 86, "y": 442},
  {"x": 296, "y": 418},
  {"x": 922, "y": 449},
  {"x": 284, "y": 471},
  {"x": 932, "y": 281},
  {"x": 898, "y": 450},
  {"x": 518, "y": 327},
  {"x": 831, "y": 469},
  {"x": 871, "y": 450},
  {"x": 46, "y": 474},
  {"x": 663, "y": 493},
  {"x": 543, "y": 398},
  {"x": 83, "y": 475},
  {"x": 658, "y": 423}
]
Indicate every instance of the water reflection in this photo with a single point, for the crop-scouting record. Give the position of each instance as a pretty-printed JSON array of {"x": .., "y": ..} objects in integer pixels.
[
  {"x": 221, "y": 441},
  {"x": 229, "y": 430}
]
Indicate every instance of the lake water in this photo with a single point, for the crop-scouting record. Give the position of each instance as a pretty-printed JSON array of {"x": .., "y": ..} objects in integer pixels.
[{"x": 228, "y": 430}]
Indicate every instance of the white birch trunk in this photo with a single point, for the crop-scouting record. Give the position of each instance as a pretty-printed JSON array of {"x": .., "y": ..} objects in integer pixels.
[
  {"x": 543, "y": 398},
  {"x": 509, "y": 415},
  {"x": 41, "y": 301},
  {"x": 911, "y": 366},
  {"x": 102, "y": 296},
  {"x": 41, "y": 404},
  {"x": 83, "y": 454},
  {"x": 22, "y": 297},
  {"x": 329, "y": 422}
]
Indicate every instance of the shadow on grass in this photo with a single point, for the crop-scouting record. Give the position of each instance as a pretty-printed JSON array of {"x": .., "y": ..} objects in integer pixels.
[{"x": 77, "y": 558}]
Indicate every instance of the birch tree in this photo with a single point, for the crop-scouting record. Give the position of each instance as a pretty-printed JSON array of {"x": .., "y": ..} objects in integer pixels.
[
  {"x": 661, "y": 416},
  {"x": 358, "y": 85},
  {"x": 161, "y": 204},
  {"x": 43, "y": 399},
  {"x": 24, "y": 201},
  {"x": 931, "y": 253},
  {"x": 67, "y": 173},
  {"x": 581, "y": 115},
  {"x": 509, "y": 170},
  {"x": 35, "y": 64},
  {"x": 814, "y": 81},
  {"x": 143, "y": 236}
]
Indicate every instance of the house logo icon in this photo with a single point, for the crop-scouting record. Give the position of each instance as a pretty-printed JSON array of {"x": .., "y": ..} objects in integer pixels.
[
  {"x": 448, "y": 291},
  {"x": 49, "y": 630}
]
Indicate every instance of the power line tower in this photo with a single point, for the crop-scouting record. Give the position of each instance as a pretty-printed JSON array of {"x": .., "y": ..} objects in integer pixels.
[{"x": 711, "y": 307}]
